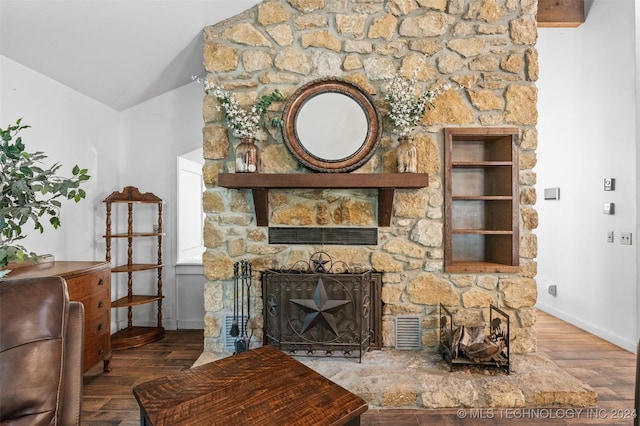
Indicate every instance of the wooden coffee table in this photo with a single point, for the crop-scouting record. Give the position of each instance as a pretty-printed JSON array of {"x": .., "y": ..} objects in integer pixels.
[{"x": 262, "y": 386}]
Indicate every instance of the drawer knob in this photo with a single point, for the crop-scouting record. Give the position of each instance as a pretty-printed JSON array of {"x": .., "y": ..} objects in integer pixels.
[
  {"x": 100, "y": 304},
  {"x": 101, "y": 281},
  {"x": 100, "y": 351},
  {"x": 100, "y": 326}
]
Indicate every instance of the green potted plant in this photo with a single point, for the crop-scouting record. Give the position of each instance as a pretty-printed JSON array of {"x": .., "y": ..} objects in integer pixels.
[{"x": 30, "y": 192}]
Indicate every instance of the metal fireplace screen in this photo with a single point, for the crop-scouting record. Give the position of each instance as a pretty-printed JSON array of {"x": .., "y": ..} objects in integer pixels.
[
  {"x": 319, "y": 313},
  {"x": 461, "y": 345}
]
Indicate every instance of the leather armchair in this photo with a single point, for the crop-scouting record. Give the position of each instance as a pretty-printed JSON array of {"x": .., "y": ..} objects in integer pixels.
[{"x": 41, "y": 344}]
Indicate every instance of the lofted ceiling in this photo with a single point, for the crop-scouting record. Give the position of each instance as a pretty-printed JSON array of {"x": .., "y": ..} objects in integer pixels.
[
  {"x": 118, "y": 52},
  {"x": 124, "y": 52}
]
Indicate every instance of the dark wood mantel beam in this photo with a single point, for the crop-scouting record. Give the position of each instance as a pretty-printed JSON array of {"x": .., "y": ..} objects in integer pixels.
[
  {"x": 560, "y": 13},
  {"x": 385, "y": 183}
]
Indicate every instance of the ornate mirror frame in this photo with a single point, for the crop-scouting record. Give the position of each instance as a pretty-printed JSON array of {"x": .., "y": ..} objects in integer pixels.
[{"x": 365, "y": 123}]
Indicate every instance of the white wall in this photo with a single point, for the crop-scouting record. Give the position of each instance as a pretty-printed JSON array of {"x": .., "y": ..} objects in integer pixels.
[
  {"x": 137, "y": 147},
  {"x": 154, "y": 134},
  {"x": 587, "y": 132},
  {"x": 637, "y": 51},
  {"x": 69, "y": 128}
]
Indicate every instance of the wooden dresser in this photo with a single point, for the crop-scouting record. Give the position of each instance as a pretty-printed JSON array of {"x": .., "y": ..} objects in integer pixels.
[{"x": 89, "y": 283}]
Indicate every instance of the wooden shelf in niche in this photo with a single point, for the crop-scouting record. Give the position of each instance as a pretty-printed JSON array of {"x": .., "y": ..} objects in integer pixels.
[
  {"x": 385, "y": 183},
  {"x": 481, "y": 200},
  {"x": 565, "y": 13}
]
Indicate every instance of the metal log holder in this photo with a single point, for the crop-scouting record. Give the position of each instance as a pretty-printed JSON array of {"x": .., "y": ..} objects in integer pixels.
[
  {"x": 498, "y": 334},
  {"x": 321, "y": 309}
]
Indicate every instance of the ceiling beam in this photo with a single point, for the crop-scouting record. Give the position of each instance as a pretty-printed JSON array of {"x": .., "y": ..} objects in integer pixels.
[{"x": 560, "y": 13}]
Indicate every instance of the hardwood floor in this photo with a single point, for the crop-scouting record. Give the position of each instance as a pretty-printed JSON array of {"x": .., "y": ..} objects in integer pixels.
[{"x": 108, "y": 399}]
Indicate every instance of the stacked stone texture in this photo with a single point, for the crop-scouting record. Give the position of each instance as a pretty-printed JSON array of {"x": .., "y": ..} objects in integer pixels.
[{"x": 484, "y": 48}]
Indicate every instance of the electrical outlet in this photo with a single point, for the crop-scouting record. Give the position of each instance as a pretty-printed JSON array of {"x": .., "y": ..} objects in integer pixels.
[
  {"x": 610, "y": 236},
  {"x": 553, "y": 290},
  {"x": 625, "y": 238}
]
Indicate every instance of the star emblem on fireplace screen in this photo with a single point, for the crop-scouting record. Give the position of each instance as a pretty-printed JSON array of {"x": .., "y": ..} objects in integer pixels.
[
  {"x": 320, "y": 310},
  {"x": 319, "y": 263}
]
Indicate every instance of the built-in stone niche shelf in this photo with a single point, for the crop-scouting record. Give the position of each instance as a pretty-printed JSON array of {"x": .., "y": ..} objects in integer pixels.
[{"x": 385, "y": 183}]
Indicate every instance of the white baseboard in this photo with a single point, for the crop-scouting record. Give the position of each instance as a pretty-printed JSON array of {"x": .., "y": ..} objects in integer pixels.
[
  {"x": 190, "y": 325},
  {"x": 622, "y": 342}
]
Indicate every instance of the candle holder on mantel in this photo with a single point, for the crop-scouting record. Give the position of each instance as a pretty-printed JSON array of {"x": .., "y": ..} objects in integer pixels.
[{"x": 247, "y": 156}]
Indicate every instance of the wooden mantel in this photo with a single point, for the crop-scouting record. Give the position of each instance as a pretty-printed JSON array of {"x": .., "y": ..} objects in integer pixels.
[
  {"x": 560, "y": 13},
  {"x": 385, "y": 183}
]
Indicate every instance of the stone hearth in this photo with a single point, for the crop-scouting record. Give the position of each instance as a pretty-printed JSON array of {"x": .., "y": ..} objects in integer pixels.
[{"x": 408, "y": 379}]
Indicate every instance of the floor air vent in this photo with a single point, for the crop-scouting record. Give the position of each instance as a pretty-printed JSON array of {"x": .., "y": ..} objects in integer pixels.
[
  {"x": 311, "y": 235},
  {"x": 229, "y": 340},
  {"x": 407, "y": 333}
]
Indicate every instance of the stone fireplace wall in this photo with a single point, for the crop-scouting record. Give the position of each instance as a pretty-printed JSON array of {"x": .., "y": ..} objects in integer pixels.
[{"x": 485, "y": 48}]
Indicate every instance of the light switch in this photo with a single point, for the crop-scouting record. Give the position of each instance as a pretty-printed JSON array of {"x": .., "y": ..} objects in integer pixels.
[
  {"x": 552, "y": 193},
  {"x": 609, "y": 208}
]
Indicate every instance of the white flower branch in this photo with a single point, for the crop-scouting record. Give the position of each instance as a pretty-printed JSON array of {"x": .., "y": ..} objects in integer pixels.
[
  {"x": 244, "y": 123},
  {"x": 407, "y": 106}
]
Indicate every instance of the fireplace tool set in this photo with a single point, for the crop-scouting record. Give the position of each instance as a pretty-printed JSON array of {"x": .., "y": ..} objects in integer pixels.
[{"x": 241, "y": 283}]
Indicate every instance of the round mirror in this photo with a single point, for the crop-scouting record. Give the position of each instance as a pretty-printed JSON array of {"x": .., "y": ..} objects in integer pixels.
[{"x": 331, "y": 125}]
